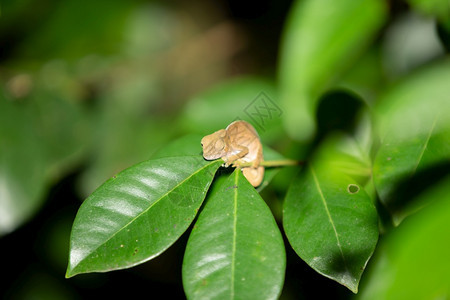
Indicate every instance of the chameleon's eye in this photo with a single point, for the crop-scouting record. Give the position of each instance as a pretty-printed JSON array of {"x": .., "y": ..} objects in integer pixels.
[{"x": 219, "y": 145}]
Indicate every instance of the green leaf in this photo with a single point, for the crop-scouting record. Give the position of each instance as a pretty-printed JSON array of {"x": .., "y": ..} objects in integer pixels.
[
  {"x": 411, "y": 262},
  {"x": 412, "y": 120},
  {"x": 320, "y": 41},
  {"x": 235, "y": 250},
  {"x": 23, "y": 165},
  {"x": 366, "y": 77},
  {"x": 139, "y": 213},
  {"x": 330, "y": 220},
  {"x": 41, "y": 136},
  {"x": 344, "y": 155}
]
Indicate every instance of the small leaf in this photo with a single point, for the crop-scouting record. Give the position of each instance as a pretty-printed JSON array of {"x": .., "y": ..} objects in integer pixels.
[
  {"x": 235, "y": 250},
  {"x": 330, "y": 221},
  {"x": 321, "y": 39},
  {"x": 139, "y": 213}
]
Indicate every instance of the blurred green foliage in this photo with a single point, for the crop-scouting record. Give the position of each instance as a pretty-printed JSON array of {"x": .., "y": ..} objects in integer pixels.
[
  {"x": 88, "y": 88},
  {"x": 314, "y": 55}
]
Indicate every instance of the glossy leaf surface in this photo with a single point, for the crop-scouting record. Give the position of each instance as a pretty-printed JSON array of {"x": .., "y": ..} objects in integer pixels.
[
  {"x": 139, "y": 213},
  {"x": 235, "y": 250},
  {"x": 320, "y": 40},
  {"x": 330, "y": 220}
]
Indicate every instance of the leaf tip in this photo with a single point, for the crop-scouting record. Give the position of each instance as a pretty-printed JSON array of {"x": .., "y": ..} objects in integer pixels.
[
  {"x": 351, "y": 282},
  {"x": 353, "y": 288},
  {"x": 69, "y": 273}
]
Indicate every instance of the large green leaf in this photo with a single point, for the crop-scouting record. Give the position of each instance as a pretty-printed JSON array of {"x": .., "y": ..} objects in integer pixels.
[
  {"x": 41, "y": 136},
  {"x": 139, "y": 213},
  {"x": 23, "y": 169},
  {"x": 412, "y": 120},
  {"x": 366, "y": 77},
  {"x": 412, "y": 261},
  {"x": 321, "y": 39},
  {"x": 329, "y": 218},
  {"x": 235, "y": 250}
]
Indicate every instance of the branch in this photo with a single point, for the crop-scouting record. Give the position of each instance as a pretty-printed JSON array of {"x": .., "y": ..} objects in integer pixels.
[{"x": 271, "y": 163}]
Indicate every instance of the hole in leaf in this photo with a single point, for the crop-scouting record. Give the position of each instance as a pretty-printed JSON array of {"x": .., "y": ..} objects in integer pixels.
[{"x": 353, "y": 188}]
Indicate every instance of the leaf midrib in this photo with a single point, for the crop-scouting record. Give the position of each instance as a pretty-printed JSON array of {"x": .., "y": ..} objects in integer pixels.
[
  {"x": 146, "y": 210},
  {"x": 233, "y": 251},
  {"x": 330, "y": 219},
  {"x": 425, "y": 145}
]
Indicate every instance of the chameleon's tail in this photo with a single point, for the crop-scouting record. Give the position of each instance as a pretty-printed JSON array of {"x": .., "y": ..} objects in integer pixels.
[{"x": 254, "y": 175}]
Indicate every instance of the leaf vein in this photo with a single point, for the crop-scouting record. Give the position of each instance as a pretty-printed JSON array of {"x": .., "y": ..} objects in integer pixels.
[
  {"x": 425, "y": 145},
  {"x": 324, "y": 202},
  {"x": 233, "y": 253}
]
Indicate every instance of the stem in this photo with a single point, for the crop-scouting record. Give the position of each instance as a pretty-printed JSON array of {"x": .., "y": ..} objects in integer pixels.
[{"x": 272, "y": 163}]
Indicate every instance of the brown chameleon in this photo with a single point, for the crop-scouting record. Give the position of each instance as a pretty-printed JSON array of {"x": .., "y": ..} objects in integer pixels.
[{"x": 236, "y": 144}]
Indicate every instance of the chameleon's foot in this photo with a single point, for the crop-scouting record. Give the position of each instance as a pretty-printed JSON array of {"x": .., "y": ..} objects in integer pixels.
[{"x": 228, "y": 163}]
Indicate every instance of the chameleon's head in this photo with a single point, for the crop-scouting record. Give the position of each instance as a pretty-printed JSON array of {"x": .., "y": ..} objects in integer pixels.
[{"x": 215, "y": 145}]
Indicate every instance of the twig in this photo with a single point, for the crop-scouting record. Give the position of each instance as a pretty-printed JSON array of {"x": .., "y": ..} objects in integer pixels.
[{"x": 271, "y": 163}]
